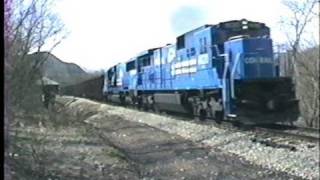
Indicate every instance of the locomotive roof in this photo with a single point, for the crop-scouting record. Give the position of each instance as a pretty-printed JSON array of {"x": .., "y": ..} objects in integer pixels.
[
  {"x": 221, "y": 24},
  {"x": 241, "y": 20},
  {"x": 198, "y": 28}
]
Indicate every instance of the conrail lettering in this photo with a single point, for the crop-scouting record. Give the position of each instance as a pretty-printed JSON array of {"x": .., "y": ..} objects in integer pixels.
[{"x": 254, "y": 60}]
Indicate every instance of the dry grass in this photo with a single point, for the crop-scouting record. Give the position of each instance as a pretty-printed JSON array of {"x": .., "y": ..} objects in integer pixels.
[{"x": 51, "y": 145}]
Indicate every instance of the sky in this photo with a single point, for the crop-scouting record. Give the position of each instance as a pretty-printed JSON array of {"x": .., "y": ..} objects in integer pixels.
[{"x": 102, "y": 33}]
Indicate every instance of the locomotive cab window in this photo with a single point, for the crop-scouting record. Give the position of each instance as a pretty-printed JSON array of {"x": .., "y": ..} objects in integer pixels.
[
  {"x": 144, "y": 61},
  {"x": 110, "y": 74},
  {"x": 180, "y": 42},
  {"x": 130, "y": 66}
]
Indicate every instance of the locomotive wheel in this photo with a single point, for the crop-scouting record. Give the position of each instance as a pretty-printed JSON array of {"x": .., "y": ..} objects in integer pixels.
[
  {"x": 195, "y": 112},
  {"x": 202, "y": 114},
  {"x": 135, "y": 102},
  {"x": 140, "y": 103},
  {"x": 145, "y": 103},
  {"x": 218, "y": 116},
  {"x": 145, "y": 106},
  {"x": 156, "y": 109},
  {"x": 237, "y": 124}
]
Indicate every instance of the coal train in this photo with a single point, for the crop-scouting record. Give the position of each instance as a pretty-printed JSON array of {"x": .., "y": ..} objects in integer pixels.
[
  {"x": 90, "y": 89},
  {"x": 222, "y": 71}
]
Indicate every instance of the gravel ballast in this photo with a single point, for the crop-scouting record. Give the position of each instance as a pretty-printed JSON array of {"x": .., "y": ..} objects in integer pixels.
[{"x": 303, "y": 162}]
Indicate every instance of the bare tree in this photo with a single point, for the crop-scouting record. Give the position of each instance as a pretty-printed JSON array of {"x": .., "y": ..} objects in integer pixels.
[
  {"x": 8, "y": 68},
  {"x": 302, "y": 13},
  {"x": 33, "y": 25},
  {"x": 303, "y": 58},
  {"x": 308, "y": 85},
  {"x": 29, "y": 26}
]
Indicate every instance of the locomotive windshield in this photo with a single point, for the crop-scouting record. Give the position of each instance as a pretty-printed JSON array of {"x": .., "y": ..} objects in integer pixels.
[
  {"x": 242, "y": 25},
  {"x": 225, "y": 30},
  {"x": 233, "y": 25},
  {"x": 255, "y": 25}
]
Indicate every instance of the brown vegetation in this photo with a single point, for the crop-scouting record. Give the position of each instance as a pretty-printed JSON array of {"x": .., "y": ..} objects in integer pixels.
[
  {"x": 29, "y": 25},
  {"x": 302, "y": 57},
  {"x": 308, "y": 85},
  {"x": 56, "y": 144}
]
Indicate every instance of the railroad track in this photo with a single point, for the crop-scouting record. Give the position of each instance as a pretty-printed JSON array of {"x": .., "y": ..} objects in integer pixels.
[{"x": 302, "y": 133}]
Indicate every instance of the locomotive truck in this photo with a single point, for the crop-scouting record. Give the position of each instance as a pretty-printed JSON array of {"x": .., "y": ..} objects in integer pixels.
[{"x": 222, "y": 71}]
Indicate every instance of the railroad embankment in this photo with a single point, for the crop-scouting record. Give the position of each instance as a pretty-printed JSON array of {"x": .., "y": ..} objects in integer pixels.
[{"x": 171, "y": 148}]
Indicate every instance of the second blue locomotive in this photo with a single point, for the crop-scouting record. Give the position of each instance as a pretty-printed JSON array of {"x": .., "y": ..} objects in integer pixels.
[{"x": 219, "y": 71}]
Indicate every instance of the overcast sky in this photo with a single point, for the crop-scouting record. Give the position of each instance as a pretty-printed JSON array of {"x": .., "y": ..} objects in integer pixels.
[{"x": 105, "y": 32}]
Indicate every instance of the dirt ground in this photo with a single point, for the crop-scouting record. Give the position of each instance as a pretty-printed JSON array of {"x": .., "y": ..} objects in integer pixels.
[{"x": 95, "y": 145}]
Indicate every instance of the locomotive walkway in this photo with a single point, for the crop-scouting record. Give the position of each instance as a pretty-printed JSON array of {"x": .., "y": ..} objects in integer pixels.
[{"x": 156, "y": 154}]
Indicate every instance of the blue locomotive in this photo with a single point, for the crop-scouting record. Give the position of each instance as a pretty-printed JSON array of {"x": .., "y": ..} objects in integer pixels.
[{"x": 220, "y": 71}]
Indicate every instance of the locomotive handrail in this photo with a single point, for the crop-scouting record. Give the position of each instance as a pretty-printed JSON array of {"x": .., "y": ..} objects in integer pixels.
[
  {"x": 232, "y": 74},
  {"x": 217, "y": 50},
  {"x": 224, "y": 79},
  {"x": 225, "y": 84}
]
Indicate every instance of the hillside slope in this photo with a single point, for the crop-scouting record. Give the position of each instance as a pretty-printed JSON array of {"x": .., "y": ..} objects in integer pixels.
[{"x": 62, "y": 72}]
